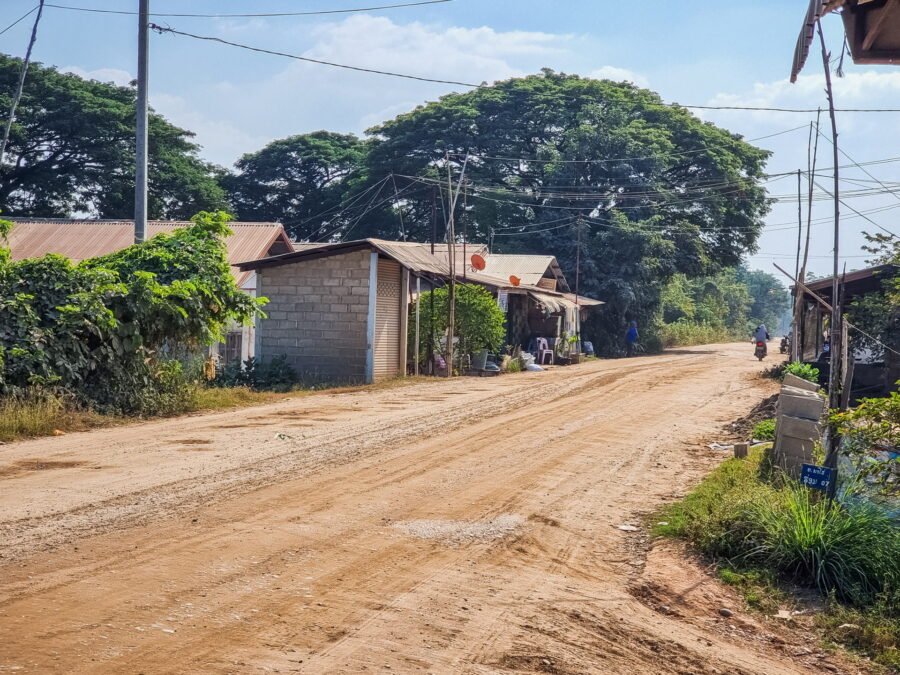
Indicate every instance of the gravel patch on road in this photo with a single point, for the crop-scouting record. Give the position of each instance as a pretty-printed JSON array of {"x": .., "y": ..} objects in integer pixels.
[{"x": 458, "y": 532}]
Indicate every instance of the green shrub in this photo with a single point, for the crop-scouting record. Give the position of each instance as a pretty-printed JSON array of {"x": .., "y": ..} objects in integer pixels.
[
  {"x": 869, "y": 433},
  {"x": 764, "y": 430},
  {"x": 803, "y": 370},
  {"x": 104, "y": 331},
  {"x": 480, "y": 323}
]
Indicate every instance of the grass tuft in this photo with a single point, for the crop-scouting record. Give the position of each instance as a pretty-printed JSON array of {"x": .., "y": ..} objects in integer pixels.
[
  {"x": 44, "y": 415},
  {"x": 765, "y": 529}
]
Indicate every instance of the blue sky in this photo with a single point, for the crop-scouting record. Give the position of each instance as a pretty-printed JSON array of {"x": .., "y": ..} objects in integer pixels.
[{"x": 692, "y": 53}]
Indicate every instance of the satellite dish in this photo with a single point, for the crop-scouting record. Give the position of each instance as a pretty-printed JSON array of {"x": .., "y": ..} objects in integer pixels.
[
  {"x": 478, "y": 262},
  {"x": 514, "y": 280}
]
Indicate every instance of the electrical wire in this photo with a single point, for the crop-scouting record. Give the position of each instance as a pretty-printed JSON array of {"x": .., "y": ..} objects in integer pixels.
[
  {"x": 630, "y": 159},
  {"x": 375, "y": 71},
  {"x": 880, "y": 227},
  {"x": 209, "y": 38},
  {"x": 254, "y": 15},
  {"x": 21, "y": 19}
]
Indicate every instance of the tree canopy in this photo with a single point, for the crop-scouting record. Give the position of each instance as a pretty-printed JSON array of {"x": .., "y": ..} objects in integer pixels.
[
  {"x": 294, "y": 179},
  {"x": 71, "y": 150},
  {"x": 554, "y": 163}
]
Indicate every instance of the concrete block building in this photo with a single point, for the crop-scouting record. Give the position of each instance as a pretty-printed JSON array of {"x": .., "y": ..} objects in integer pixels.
[{"x": 339, "y": 312}]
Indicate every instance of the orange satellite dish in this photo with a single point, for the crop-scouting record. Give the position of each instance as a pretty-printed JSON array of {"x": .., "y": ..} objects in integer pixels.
[
  {"x": 478, "y": 262},
  {"x": 514, "y": 280}
]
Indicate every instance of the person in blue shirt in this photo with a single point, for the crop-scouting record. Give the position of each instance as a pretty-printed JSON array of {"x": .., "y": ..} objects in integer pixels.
[{"x": 631, "y": 338}]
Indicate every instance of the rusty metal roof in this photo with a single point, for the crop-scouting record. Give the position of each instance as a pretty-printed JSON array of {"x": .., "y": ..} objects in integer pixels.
[
  {"x": 81, "y": 239},
  {"x": 529, "y": 268},
  {"x": 418, "y": 259}
]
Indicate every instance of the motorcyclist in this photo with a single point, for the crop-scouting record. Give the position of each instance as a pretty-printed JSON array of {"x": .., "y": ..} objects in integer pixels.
[{"x": 761, "y": 334}]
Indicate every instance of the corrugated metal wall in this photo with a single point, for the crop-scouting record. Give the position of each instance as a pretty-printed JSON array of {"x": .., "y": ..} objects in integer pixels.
[{"x": 387, "y": 320}]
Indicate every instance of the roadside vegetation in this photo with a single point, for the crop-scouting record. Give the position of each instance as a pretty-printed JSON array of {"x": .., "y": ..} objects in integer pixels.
[
  {"x": 42, "y": 415},
  {"x": 91, "y": 344},
  {"x": 768, "y": 534},
  {"x": 724, "y": 307},
  {"x": 322, "y": 181}
]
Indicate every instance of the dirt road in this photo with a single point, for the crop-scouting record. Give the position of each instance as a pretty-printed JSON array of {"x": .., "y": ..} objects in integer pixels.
[{"x": 466, "y": 526}]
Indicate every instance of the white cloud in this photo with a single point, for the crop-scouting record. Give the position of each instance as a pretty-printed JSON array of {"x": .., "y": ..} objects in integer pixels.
[
  {"x": 466, "y": 54},
  {"x": 863, "y": 136},
  {"x": 619, "y": 75},
  {"x": 114, "y": 75},
  {"x": 223, "y": 142}
]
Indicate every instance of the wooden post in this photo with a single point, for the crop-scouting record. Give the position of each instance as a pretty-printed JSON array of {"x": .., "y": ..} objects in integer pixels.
[{"x": 741, "y": 450}]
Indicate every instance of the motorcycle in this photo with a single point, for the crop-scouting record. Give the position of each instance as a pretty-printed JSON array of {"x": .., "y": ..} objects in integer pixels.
[
  {"x": 785, "y": 346},
  {"x": 761, "y": 350}
]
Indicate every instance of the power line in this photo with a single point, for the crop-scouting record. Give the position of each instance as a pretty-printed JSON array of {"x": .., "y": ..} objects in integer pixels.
[
  {"x": 20, "y": 19},
  {"x": 880, "y": 227},
  {"x": 208, "y": 38},
  {"x": 751, "y": 108},
  {"x": 258, "y": 15},
  {"x": 629, "y": 159}
]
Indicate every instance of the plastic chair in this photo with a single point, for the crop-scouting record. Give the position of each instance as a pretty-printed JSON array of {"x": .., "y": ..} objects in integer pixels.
[{"x": 543, "y": 350}]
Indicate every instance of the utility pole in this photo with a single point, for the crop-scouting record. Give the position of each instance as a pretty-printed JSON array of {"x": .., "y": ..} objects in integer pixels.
[
  {"x": 577, "y": 285},
  {"x": 21, "y": 84},
  {"x": 812, "y": 151},
  {"x": 799, "y": 226},
  {"x": 451, "y": 257},
  {"x": 451, "y": 263},
  {"x": 835, "y": 328},
  {"x": 835, "y": 331},
  {"x": 140, "y": 148}
]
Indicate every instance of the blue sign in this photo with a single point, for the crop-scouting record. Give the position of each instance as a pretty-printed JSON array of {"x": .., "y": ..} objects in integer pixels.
[{"x": 816, "y": 477}]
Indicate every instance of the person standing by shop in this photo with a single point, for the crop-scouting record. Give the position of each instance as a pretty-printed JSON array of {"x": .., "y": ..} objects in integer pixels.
[{"x": 631, "y": 338}]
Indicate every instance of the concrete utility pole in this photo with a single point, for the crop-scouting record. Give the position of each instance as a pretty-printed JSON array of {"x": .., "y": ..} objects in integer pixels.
[
  {"x": 140, "y": 154},
  {"x": 21, "y": 85}
]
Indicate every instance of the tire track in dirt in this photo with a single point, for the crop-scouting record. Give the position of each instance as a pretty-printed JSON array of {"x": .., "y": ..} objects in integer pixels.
[{"x": 296, "y": 567}]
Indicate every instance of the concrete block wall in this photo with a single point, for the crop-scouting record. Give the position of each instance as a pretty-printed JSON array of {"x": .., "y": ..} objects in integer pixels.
[{"x": 317, "y": 316}]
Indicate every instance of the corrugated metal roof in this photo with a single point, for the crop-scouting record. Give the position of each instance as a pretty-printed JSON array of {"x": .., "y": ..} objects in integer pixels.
[
  {"x": 529, "y": 268},
  {"x": 81, "y": 239},
  {"x": 417, "y": 258}
]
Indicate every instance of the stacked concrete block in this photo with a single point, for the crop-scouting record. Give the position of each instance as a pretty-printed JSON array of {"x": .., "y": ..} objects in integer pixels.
[{"x": 798, "y": 424}]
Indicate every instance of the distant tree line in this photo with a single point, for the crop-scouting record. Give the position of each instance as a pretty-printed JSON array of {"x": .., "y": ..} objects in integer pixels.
[{"x": 605, "y": 172}]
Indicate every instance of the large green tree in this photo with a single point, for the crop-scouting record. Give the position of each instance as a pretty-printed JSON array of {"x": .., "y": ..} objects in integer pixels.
[
  {"x": 71, "y": 150},
  {"x": 648, "y": 189},
  {"x": 298, "y": 181}
]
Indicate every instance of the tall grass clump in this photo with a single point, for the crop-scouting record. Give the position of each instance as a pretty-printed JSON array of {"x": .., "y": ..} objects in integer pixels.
[
  {"x": 851, "y": 550},
  {"x": 29, "y": 416},
  {"x": 39, "y": 413}
]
